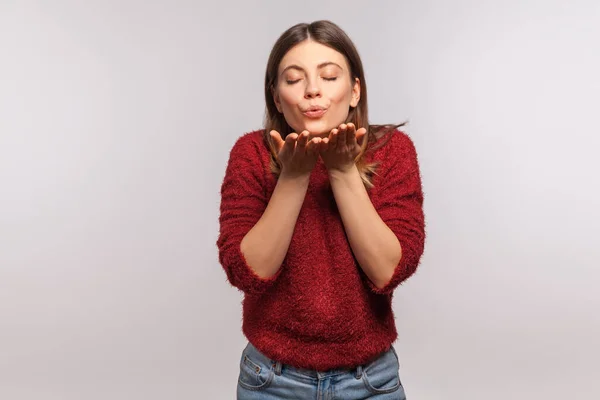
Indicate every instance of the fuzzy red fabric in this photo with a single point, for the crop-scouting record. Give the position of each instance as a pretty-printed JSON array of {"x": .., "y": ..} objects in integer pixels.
[{"x": 320, "y": 311}]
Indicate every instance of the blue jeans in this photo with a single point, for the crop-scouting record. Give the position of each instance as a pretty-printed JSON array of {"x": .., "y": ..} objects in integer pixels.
[{"x": 261, "y": 378}]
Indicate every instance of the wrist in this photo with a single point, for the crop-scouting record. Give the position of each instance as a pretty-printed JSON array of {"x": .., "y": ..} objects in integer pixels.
[
  {"x": 343, "y": 173},
  {"x": 294, "y": 177}
]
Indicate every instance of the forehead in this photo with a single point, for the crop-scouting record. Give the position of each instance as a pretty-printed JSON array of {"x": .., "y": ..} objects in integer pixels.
[{"x": 309, "y": 54}]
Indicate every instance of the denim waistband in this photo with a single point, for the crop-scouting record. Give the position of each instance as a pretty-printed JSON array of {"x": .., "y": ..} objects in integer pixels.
[{"x": 278, "y": 366}]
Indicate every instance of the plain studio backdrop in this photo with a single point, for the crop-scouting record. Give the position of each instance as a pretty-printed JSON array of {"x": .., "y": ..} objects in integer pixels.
[{"x": 116, "y": 121}]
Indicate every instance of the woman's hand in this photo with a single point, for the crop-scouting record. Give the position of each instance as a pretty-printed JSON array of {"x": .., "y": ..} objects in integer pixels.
[
  {"x": 340, "y": 149},
  {"x": 296, "y": 153}
]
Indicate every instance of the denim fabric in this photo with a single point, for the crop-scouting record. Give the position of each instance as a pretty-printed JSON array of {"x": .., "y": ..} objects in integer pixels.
[{"x": 261, "y": 378}]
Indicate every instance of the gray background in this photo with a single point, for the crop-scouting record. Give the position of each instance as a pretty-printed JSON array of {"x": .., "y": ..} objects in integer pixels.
[{"x": 116, "y": 119}]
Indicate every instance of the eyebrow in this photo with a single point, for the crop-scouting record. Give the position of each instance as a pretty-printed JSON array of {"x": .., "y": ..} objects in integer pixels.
[{"x": 322, "y": 65}]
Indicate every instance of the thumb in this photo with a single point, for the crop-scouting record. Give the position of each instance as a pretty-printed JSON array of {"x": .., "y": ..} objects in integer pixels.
[
  {"x": 360, "y": 135},
  {"x": 277, "y": 139}
]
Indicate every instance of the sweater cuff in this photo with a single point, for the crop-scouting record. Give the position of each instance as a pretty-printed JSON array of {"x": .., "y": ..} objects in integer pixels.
[
  {"x": 402, "y": 272},
  {"x": 242, "y": 276}
]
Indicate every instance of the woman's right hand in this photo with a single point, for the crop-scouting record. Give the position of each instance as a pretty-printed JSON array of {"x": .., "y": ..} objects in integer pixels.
[{"x": 296, "y": 153}]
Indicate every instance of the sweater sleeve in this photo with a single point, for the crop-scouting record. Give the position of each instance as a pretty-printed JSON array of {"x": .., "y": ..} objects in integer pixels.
[
  {"x": 243, "y": 201},
  {"x": 399, "y": 203}
]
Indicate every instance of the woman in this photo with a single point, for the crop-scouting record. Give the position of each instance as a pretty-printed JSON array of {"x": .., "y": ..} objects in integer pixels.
[{"x": 321, "y": 219}]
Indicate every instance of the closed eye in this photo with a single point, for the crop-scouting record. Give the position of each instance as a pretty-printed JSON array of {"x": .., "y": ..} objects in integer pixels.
[{"x": 291, "y": 82}]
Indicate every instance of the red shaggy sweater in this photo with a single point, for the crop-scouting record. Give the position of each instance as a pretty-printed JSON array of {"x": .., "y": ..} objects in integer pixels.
[{"x": 320, "y": 311}]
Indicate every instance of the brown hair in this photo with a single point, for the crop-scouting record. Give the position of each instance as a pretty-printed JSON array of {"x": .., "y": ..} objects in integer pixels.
[{"x": 329, "y": 34}]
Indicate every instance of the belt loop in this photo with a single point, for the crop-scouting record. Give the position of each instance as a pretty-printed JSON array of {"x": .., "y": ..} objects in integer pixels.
[
  {"x": 359, "y": 372},
  {"x": 277, "y": 365}
]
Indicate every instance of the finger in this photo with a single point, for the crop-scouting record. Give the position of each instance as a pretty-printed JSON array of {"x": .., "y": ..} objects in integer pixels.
[
  {"x": 350, "y": 135},
  {"x": 324, "y": 145},
  {"x": 333, "y": 138},
  {"x": 290, "y": 143},
  {"x": 313, "y": 146},
  {"x": 341, "y": 141},
  {"x": 291, "y": 138},
  {"x": 302, "y": 141},
  {"x": 277, "y": 139}
]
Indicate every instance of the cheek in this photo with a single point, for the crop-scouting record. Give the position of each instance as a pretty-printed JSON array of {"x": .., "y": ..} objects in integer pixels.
[
  {"x": 340, "y": 95},
  {"x": 290, "y": 96},
  {"x": 340, "y": 102}
]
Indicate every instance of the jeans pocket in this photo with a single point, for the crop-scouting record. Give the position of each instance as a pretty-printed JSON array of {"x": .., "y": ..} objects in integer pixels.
[
  {"x": 255, "y": 373},
  {"x": 382, "y": 375}
]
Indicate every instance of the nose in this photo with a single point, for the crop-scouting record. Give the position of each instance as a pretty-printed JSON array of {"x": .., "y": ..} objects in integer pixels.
[{"x": 312, "y": 90}]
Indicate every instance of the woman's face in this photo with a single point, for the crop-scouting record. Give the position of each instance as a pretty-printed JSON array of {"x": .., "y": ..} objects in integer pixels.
[{"x": 314, "y": 88}]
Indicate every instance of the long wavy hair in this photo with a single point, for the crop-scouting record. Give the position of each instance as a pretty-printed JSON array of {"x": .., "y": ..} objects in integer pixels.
[{"x": 331, "y": 35}]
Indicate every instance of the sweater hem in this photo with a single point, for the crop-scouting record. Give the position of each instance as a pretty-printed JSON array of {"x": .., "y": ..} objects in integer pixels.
[{"x": 320, "y": 356}]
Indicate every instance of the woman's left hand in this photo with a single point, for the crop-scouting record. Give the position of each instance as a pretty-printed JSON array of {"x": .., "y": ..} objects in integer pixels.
[{"x": 340, "y": 149}]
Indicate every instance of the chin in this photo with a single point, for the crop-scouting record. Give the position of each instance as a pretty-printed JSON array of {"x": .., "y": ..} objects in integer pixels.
[{"x": 318, "y": 128}]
